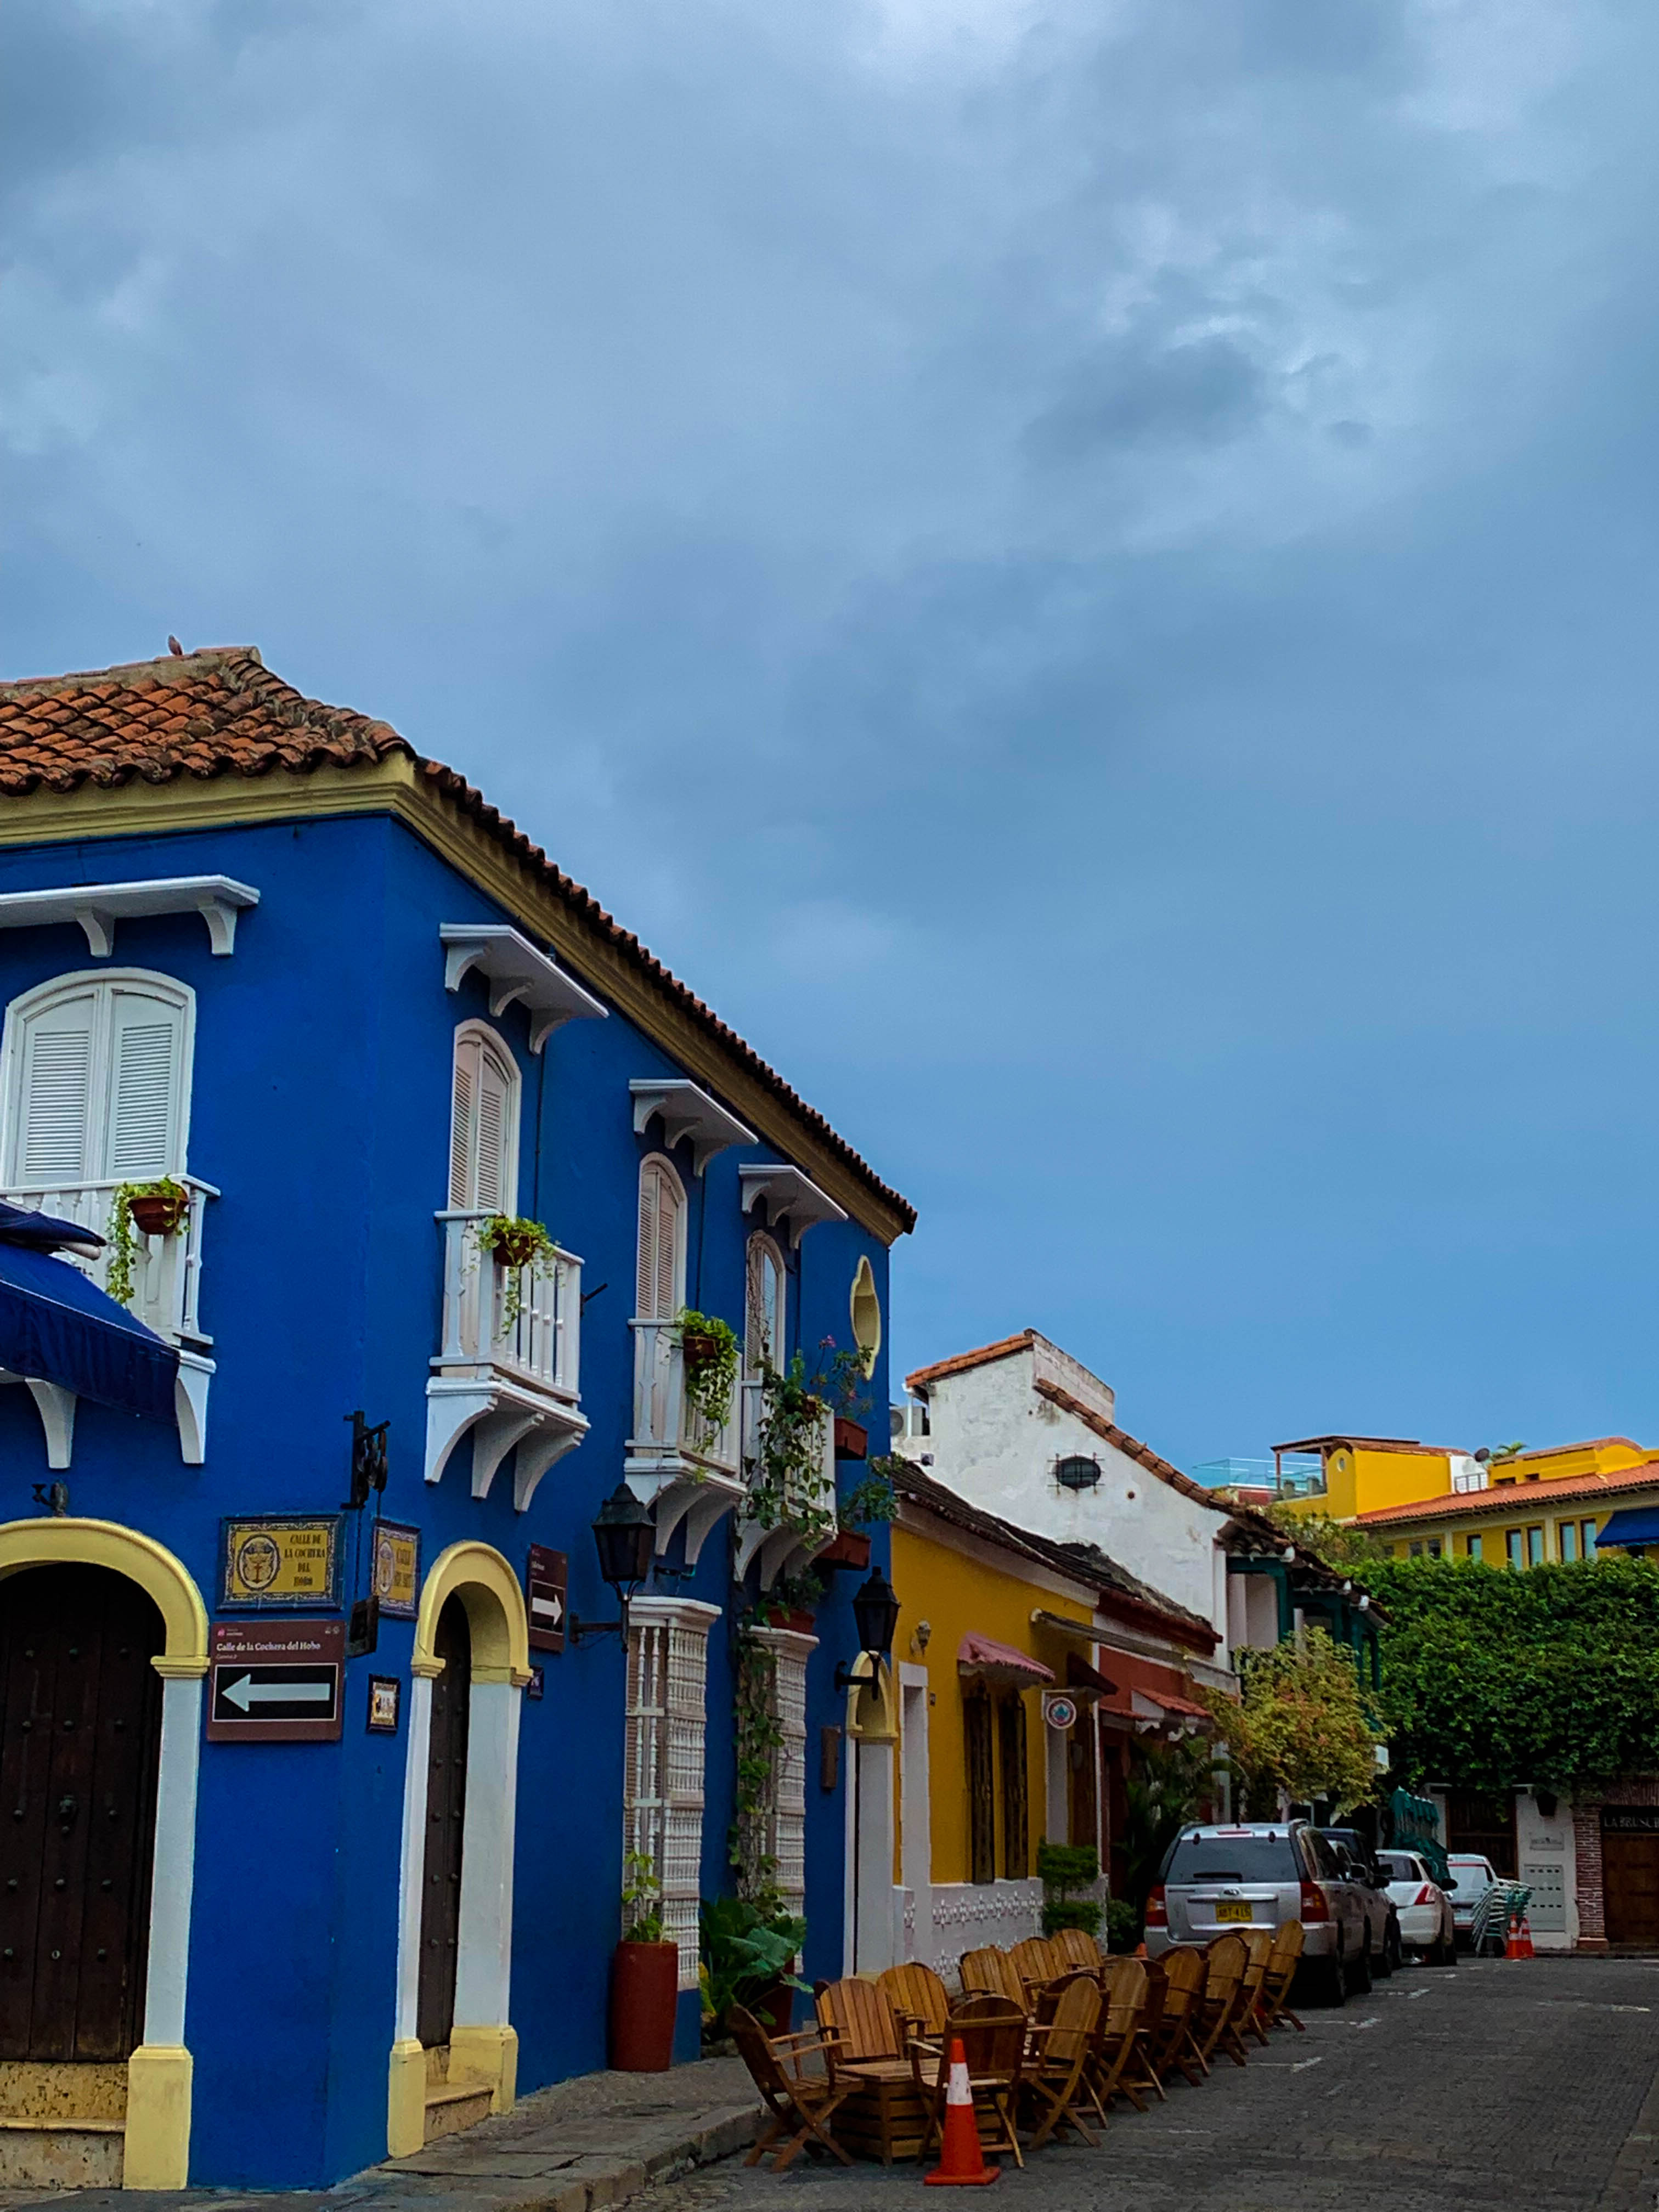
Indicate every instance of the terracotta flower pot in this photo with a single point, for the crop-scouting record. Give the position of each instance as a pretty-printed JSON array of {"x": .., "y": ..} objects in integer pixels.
[
  {"x": 158, "y": 1215},
  {"x": 698, "y": 1347},
  {"x": 644, "y": 1996},
  {"x": 850, "y": 1549},
  {"x": 852, "y": 1438},
  {"x": 515, "y": 1251}
]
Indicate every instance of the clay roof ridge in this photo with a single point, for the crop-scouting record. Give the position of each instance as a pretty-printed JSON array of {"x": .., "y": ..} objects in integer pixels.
[
  {"x": 1521, "y": 1497},
  {"x": 981, "y": 1356},
  {"x": 1131, "y": 1447}
]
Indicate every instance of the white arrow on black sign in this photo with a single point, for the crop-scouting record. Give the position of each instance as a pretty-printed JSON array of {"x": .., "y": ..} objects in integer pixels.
[
  {"x": 552, "y": 1606},
  {"x": 245, "y": 1692}
]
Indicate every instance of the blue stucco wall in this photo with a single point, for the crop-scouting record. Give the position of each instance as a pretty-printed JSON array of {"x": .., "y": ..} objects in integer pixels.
[{"x": 320, "y": 1107}]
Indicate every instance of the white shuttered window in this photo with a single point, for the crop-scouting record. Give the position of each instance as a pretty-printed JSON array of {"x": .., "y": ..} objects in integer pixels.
[
  {"x": 667, "y": 1727},
  {"x": 97, "y": 1081},
  {"x": 659, "y": 1291},
  {"x": 483, "y": 1124}
]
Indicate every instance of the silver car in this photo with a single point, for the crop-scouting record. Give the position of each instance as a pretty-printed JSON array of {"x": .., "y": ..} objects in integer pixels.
[{"x": 1221, "y": 1880}]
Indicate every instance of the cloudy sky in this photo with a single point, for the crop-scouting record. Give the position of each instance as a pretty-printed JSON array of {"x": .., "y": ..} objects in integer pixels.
[{"x": 1085, "y": 569}]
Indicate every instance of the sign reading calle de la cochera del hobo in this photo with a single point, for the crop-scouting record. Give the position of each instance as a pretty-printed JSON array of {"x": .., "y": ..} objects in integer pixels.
[
  {"x": 276, "y": 1682},
  {"x": 280, "y": 1559}
]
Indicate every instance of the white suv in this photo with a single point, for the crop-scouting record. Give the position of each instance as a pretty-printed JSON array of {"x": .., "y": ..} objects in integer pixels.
[{"x": 1216, "y": 1881}]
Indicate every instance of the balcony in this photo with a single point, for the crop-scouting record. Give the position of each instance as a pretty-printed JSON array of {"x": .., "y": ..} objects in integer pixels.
[
  {"x": 167, "y": 1275},
  {"x": 793, "y": 1542},
  {"x": 687, "y": 1467},
  {"x": 505, "y": 1380}
]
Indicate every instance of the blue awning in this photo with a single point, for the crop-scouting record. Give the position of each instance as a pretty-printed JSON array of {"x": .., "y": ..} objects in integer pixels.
[
  {"x": 44, "y": 1231},
  {"x": 58, "y": 1327},
  {"x": 1636, "y": 1524}
]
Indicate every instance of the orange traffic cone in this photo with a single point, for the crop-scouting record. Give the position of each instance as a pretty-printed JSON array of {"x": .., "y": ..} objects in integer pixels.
[
  {"x": 1526, "y": 1951},
  {"x": 1512, "y": 1941},
  {"x": 962, "y": 2161}
]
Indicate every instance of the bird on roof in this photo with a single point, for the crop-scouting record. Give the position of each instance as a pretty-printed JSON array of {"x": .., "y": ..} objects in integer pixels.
[{"x": 176, "y": 648}]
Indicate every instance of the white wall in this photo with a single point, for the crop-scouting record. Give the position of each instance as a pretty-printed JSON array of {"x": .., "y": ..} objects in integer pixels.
[
  {"x": 1546, "y": 1863},
  {"x": 995, "y": 1440}
]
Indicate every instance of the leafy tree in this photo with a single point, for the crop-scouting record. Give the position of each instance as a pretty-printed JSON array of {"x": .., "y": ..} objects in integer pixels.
[
  {"x": 1492, "y": 1679},
  {"x": 1338, "y": 1544},
  {"x": 1299, "y": 1726},
  {"x": 1166, "y": 1784}
]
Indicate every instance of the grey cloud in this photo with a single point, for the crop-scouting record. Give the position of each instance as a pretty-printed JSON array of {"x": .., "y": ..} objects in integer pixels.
[{"x": 1202, "y": 391}]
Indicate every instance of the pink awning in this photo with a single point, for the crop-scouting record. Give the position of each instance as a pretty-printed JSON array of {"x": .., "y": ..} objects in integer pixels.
[{"x": 985, "y": 1660}]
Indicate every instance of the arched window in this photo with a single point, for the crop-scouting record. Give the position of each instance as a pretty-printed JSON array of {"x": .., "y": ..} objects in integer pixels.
[
  {"x": 97, "y": 1081},
  {"x": 659, "y": 1291},
  {"x": 483, "y": 1124},
  {"x": 764, "y": 1343}
]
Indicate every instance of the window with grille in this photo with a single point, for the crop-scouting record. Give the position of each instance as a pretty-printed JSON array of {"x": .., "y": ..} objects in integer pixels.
[
  {"x": 667, "y": 1675},
  {"x": 97, "y": 1081},
  {"x": 1016, "y": 1846},
  {"x": 981, "y": 1803},
  {"x": 483, "y": 1124}
]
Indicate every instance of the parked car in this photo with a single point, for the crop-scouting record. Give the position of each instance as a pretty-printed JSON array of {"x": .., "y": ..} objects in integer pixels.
[
  {"x": 1215, "y": 1879},
  {"x": 1471, "y": 1877},
  {"x": 1353, "y": 1855},
  {"x": 1424, "y": 1912}
]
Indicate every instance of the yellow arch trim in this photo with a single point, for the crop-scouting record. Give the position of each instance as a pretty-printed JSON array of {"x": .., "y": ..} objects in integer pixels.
[
  {"x": 488, "y": 1588},
  {"x": 66, "y": 1542},
  {"x": 872, "y": 1707}
]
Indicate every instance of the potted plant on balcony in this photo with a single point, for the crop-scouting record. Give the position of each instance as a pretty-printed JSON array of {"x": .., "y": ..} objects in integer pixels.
[
  {"x": 141, "y": 1209},
  {"x": 644, "y": 1976},
  {"x": 785, "y": 1484},
  {"x": 790, "y": 1601},
  {"x": 514, "y": 1244},
  {"x": 708, "y": 1349},
  {"x": 866, "y": 1504}
]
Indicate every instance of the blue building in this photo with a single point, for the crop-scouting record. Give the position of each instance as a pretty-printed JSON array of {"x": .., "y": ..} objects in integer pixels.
[{"x": 273, "y": 1903}]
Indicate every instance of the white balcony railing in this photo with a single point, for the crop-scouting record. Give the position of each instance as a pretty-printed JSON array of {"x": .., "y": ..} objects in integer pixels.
[
  {"x": 665, "y": 1427},
  {"x": 511, "y": 1383},
  {"x": 167, "y": 1271},
  {"x": 811, "y": 1495},
  {"x": 541, "y": 1345}
]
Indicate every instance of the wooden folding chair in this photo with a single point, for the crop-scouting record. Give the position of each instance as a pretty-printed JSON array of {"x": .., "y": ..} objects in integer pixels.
[
  {"x": 1138, "y": 2072},
  {"x": 1056, "y": 2076},
  {"x": 1115, "y": 2073},
  {"x": 1224, "y": 1964},
  {"x": 1078, "y": 1948},
  {"x": 865, "y": 2049},
  {"x": 993, "y": 2032},
  {"x": 1246, "y": 2013},
  {"x": 801, "y": 2103},
  {"x": 1038, "y": 1961},
  {"x": 992, "y": 1973},
  {"x": 1273, "y": 2005},
  {"x": 920, "y": 2000},
  {"x": 1173, "y": 2049}
]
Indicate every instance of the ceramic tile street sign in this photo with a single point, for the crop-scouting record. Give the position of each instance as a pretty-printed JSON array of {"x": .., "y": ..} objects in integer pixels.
[
  {"x": 280, "y": 1559},
  {"x": 276, "y": 1682},
  {"x": 397, "y": 1569}
]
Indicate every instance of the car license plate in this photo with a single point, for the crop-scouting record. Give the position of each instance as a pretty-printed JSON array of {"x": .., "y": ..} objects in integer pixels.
[{"x": 1234, "y": 1913}]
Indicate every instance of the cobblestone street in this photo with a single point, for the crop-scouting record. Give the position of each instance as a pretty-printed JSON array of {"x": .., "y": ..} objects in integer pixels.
[{"x": 1497, "y": 2085}]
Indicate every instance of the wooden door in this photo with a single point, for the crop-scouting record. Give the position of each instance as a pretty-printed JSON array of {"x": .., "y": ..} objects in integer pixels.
[
  {"x": 80, "y": 1743},
  {"x": 446, "y": 1820},
  {"x": 1629, "y": 1884}
]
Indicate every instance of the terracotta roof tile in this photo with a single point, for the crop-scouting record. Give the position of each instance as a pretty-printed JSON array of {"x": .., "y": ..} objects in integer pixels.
[
  {"x": 222, "y": 712},
  {"x": 1523, "y": 1499},
  {"x": 960, "y": 1362}
]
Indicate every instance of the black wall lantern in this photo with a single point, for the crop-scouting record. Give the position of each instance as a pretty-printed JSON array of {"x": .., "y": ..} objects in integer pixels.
[
  {"x": 625, "y": 1537},
  {"x": 876, "y": 1610}
]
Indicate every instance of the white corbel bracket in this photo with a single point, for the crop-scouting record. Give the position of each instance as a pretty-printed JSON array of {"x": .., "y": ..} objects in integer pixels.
[
  {"x": 687, "y": 1111},
  {"x": 498, "y": 1415},
  {"x": 516, "y": 972},
  {"x": 98, "y": 907},
  {"x": 788, "y": 1191}
]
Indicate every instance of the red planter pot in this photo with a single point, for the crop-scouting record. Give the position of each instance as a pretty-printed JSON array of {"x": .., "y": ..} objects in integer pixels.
[
  {"x": 850, "y": 1549},
  {"x": 515, "y": 1252},
  {"x": 852, "y": 1438},
  {"x": 158, "y": 1216},
  {"x": 644, "y": 1994}
]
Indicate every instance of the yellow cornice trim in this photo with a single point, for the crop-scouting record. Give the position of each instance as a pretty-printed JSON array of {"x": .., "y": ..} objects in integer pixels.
[
  {"x": 62, "y": 1541},
  {"x": 395, "y": 786},
  {"x": 495, "y": 1613}
]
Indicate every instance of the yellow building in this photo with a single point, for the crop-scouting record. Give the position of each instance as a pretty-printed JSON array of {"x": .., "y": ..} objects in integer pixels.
[
  {"x": 1358, "y": 1474},
  {"x": 1527, "y": 1517},
  {"x": 1023, "y": 1668}
]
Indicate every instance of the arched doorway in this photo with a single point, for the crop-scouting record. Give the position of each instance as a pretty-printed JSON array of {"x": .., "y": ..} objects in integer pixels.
[
  {"x": 471, "y": 1663},
  {"x": 446, "y": 1827},
  {"x": 80, "y": 1751}
]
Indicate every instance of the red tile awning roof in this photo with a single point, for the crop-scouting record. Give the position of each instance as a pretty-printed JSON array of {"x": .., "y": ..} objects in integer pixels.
[
  {"x": 221, "y": 713},
  {"x": 984, "y": 1659},
  {"x": 1520, "y": 1499}
]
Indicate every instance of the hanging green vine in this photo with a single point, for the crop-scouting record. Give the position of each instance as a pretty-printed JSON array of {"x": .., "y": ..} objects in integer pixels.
[
  {"x": 709, "y": 1352},
  {"x": 759, "y": 1735},
  {"x": 786, "y": 1481},
  {"x": 122, "y": 1230}
]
